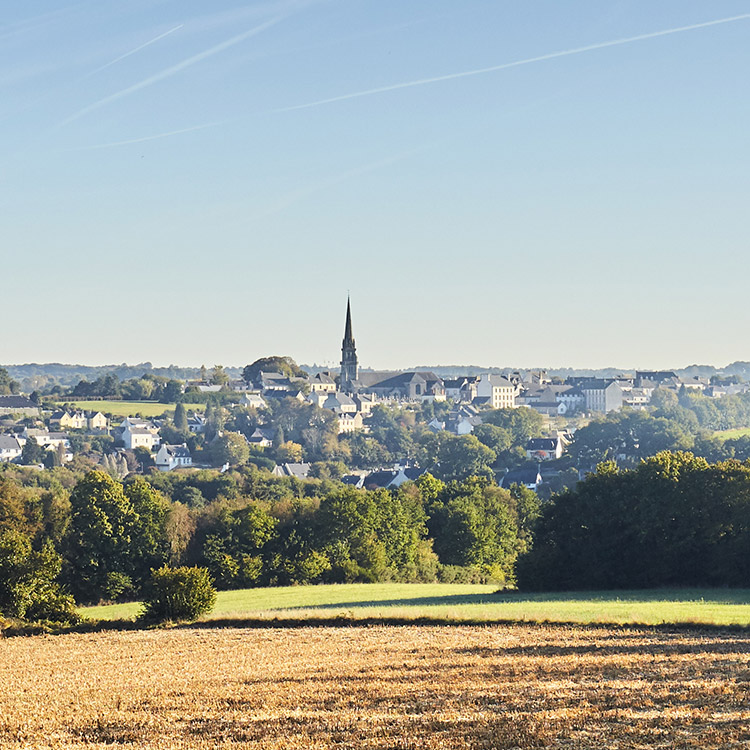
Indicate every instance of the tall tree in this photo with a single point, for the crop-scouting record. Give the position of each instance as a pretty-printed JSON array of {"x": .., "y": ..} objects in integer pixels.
[
  {"x": 180, "y": 418},
  {"x": 98, "y": 546}
]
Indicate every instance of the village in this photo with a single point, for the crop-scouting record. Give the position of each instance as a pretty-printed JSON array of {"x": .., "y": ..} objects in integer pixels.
[{"x": 347, "y": 401}]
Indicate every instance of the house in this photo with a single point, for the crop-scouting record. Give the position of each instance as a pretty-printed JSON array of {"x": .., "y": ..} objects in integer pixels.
[
  {"x": 322, "y": 383},
  {"x": 573, "y": 399},
  {"x": 410, "y": 386},
  {"x": 196, "y": 424},
  {"x": 529, "y": 478},
  {"x": 391, "y": 478},
  {"x": 254, "y": 400},
  {"x": 96, "y": 421},
  {"x": 67, "y": 420},
  {"x": 462, "y": 425},
  {"x": 269, "y": 382},
  {"x": 695, "y": 383},
  {"x": 208, "y": 388},
  {"x": 549, "y": 408},
  {"x": 406, "y": 474},
  {"x": 317, "y": 398},
  {"x": 340, "y": 403},
  {"x": 636, "y": 398},
  {"x": 436, "y": 425},
  {"x": 602, "y": 395},
  {"x": 10, "y": 448},
  {"x": 544, "y": 448},
  {"x": 138, "y": 433},
  {"x": 378, "y": 480},
  {"x": 298, "y": 471},
  {"x": 238, "y": 385},
  {"x": 461, "y": 389},
  {"x": 262, "y": 437},
  {"x": 46, "y": 438},
  {"x": 18, "y": 405},
  {"x": 51, "y": 441},
  {"x": 365, "y": 403},
  {"x": 354, "y": 480},
  {"x": 499, "y": 390},
  {"x": 350, "y": 422},
  {"x": 658, "y": 377},
  {"x": 170, "y": 457},
  {"x": 537, "y": 377},
  {"x": 453, "y": 388}
]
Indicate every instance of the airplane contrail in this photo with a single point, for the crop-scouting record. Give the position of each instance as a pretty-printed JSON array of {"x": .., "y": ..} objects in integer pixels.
[
  {"x": 296, "y": 195},
  {"x": 137, "y": 49},
  {"x": 154, "y": 137},
  {"x": 168, "y": 72},
  {"x": 514, "y": 64}
]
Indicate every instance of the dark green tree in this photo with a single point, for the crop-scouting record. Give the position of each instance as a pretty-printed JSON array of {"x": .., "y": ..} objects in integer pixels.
[
  {"x": 180, "y": 418},
  {"x": 32, "y": 452}
]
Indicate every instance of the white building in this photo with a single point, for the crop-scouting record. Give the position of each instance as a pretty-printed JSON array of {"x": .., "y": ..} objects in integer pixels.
[
  {"x": 10, "y": 448},
  {"x": 171, "y": 457},
  {"x": 137, "y": 433},
  {"x": 499, "y": 390}
]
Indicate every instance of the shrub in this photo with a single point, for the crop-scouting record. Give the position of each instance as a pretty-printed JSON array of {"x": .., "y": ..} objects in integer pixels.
[{"x": 177, "y": 594}]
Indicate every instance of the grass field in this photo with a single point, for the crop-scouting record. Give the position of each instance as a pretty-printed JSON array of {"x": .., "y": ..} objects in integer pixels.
[
  {"x": 131, "y": 408},
  {"x": 467, "y": 603},
  {"x": 729, "y": 434},
  {"x": 447, "y": 688}
]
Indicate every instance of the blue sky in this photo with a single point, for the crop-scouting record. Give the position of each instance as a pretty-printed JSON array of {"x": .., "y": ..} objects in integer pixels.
[{"x": 203, "y": 182}]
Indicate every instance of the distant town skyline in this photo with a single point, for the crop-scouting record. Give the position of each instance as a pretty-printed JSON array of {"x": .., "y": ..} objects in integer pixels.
[{"x": 499, "y": 184}]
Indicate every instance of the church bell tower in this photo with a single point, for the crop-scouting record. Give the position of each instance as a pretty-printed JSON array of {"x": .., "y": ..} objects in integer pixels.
[{"x": 349, "y": 367}]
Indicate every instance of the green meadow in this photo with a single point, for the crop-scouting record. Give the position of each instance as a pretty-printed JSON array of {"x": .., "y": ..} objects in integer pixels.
[
  {"x": 132, "y": 408},
  {"x": 455, "y": 603},
  {"x": 731, "y": 434}
]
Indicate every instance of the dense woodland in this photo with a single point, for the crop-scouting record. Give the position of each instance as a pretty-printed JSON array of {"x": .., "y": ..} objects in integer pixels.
[{"x": 674, "y": 520}]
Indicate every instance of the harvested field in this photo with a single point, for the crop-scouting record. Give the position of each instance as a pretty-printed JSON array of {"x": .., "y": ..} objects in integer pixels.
[{"x": 379, "y": 687}]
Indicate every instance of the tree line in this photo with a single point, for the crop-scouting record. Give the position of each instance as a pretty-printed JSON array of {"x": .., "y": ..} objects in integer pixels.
[
  {"x": 91, "y": 538},
  {"x": 675, "y": 519}
]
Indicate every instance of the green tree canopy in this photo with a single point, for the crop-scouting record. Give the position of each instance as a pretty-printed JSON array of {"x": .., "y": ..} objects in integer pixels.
[{"x": 284, "y": 365}]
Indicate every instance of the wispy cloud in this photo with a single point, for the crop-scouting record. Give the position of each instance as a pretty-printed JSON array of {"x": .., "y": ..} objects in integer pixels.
[
  {"x": 137, "y": 49},
  {"x": 173, "y": 69},
  {"x": 514, "y": 64}
]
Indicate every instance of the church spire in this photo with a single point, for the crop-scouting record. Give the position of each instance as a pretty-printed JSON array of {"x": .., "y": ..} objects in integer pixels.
[
  {"x": 349, "y": 365},
  {"x": 348, "y": 337}
]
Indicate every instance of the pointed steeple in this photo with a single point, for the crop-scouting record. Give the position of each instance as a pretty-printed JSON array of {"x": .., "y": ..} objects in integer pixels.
[
  {"x": 348, "y": 336},
  {"x": 349, "y": 366}
]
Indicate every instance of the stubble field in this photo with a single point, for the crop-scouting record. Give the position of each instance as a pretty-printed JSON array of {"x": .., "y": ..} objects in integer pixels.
[{"x": 377, "y": 687}]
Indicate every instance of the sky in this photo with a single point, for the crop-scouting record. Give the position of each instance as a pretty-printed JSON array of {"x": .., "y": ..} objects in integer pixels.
[{"x": 495, "y": 182}]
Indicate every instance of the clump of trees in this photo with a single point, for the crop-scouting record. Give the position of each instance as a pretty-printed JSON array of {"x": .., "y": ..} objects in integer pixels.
[
  {"x": 284, "y": 365},
  {"x": 674, "y": 520}
]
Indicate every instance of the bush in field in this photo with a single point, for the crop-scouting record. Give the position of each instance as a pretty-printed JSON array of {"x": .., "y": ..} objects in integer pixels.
[{"x": 178, "y": 594}]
